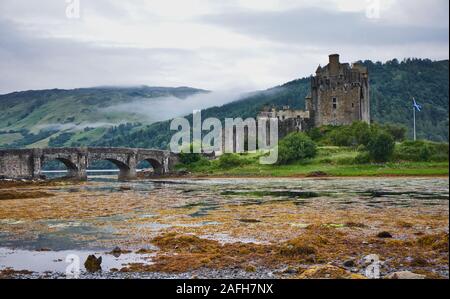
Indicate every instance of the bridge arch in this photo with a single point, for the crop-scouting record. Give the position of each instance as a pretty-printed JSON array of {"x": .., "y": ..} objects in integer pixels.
[
  {"x": 71, "y": 167},
  {"x": 158, "y": 168},
  {"x": 125, "y": 171}
]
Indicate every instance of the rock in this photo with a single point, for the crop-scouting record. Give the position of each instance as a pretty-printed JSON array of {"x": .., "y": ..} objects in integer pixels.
[
  {"x": 93, "y": 264},
  {"x": 248, "y": 220},
  {"x": 289, "y": 270},
  {"x": 116, "y": 251},
  {"x": 328, "y": 272},
  {"x": 384, "y": 235},
  {"x": 349, "y": 264},
  {"x": 145, "y": 251},
  {"x": 43, "y": 249},
  {"x": 405, "y": 275},
  {"x": 300, "y": 225}
]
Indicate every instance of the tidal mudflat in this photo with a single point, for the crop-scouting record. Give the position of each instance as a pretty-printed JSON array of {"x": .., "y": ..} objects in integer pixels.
[{"x": 229, "y": 228}]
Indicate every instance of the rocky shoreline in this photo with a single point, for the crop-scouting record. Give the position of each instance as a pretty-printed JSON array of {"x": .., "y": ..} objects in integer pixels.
[{"x": 231, "y": 228}]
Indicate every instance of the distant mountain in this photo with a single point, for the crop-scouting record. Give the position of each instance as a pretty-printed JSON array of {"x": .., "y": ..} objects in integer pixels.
[
  {"x": 32, "y": 118},
  {"x": 393, "y": 84}
]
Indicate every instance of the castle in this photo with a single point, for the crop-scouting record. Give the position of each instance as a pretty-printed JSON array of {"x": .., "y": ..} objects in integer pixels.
[{"x": 339, "y": 96}]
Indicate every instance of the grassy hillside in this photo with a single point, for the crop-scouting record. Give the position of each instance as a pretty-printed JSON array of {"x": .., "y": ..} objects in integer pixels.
[
  {"x": 393, "y": 84},
  {"x": 330, "y": 161},
  {"x": 33, "y": 118}
]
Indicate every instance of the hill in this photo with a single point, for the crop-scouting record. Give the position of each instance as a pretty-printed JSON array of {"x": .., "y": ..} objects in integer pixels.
[
  {"x": 32, "y": 118},
  {"x": 393, "y": 84}
]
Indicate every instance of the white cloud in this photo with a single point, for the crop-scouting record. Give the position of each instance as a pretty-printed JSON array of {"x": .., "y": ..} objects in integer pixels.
[{"x": 213, "y": 45}]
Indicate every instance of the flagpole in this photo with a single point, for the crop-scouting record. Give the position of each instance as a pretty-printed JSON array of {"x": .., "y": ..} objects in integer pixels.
[{"x": 414, "y": 117}]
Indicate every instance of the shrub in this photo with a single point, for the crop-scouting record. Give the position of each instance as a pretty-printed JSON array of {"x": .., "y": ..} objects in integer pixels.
[
  {"x": 360, "y": 132},
  {"x": 295, "y": 147},
  {"x": 227, "y": 161},
  {"x": 187, "y": 157},
  {"x": 341, "y": 136},
  {"x": 362, "y": 158},
  {"x": 381, "y": 146},
  {"x": 355, "y": 134},
  {"x": 421, "y": 151}
]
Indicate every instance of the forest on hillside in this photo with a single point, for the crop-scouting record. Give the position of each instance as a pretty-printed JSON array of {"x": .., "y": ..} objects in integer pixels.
[{"x": 393, "y": 85}]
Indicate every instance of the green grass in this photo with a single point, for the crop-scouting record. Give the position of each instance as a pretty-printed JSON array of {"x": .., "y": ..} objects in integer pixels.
[{"x": 334, "y": 161}]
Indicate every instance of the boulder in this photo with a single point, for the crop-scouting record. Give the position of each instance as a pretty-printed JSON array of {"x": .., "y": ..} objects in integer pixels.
[
  {"x": 93, "y": 264},
  {"x": 405, "y": 275},
  {"x": 349, "y": 264},
  {"x": 384, "y": 235},
  {"x": 116, "y": 251}
]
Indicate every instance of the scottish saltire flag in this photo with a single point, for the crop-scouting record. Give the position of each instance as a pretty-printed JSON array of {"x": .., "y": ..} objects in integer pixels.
[{"x": 417, "y": 106}]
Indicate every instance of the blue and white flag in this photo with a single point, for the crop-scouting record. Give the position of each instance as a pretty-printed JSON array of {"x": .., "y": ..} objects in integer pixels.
[{"x": 417, "y": 106}]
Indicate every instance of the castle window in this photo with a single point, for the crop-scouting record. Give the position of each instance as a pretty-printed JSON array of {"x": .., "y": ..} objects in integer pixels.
[
  {"x": 353, "y": 105},
  {"x": 334, "y": 103}
]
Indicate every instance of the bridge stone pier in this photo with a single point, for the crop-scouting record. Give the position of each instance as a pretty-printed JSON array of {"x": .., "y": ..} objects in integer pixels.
[{"x": 28, "y": 163}]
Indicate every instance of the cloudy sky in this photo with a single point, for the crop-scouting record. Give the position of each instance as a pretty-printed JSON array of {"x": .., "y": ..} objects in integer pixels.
[{"x": 209, "y": 44}]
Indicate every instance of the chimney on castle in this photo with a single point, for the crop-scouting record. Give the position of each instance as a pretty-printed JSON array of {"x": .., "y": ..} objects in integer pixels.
[{"x": 334, "y": 64}]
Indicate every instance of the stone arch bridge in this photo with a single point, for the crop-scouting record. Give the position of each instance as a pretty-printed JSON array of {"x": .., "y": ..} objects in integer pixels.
[{"x": 27, "y": 163}]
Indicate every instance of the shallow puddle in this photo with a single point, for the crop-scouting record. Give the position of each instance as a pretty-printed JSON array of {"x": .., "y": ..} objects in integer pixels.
[{"x": 60, "y": 261}]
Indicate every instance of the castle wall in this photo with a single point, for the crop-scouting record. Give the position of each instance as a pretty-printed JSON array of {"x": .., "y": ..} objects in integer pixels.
[
  {"x": 339, "y": 94},
  {"x": 338, "y": 106}
]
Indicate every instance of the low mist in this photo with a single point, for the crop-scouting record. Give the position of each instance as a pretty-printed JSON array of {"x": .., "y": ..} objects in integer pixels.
[{"x": 164, "y": 108}]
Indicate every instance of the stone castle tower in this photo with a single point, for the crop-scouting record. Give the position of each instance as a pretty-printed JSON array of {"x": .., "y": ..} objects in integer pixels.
[{"x": 339, "y": 94}]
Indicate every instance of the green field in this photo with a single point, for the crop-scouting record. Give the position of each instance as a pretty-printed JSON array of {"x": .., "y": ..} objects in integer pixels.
[{"x": 332, "y": 161}]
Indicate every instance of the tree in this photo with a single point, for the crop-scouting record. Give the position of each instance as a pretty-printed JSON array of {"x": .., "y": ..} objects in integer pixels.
[
  {"x": 397, "y": 131},
  {"x": 295, "y": 147},
  {"x": 361, "y": 132},
  {"x": 187, "y": 156},
  {"x": 381, "y": 146}
]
